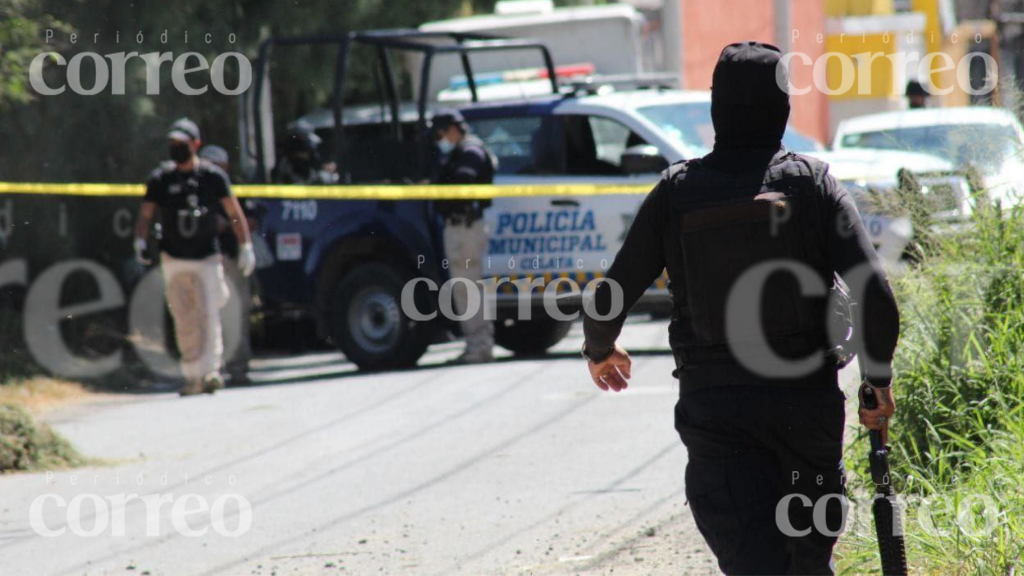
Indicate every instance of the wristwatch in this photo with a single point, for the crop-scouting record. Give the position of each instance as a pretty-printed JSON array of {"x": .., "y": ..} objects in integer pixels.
[{"x": 595, "y": 359}]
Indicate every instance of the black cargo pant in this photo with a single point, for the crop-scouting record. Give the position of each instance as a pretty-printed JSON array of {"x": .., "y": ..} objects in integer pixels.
[{"x": 751, "y": 447}]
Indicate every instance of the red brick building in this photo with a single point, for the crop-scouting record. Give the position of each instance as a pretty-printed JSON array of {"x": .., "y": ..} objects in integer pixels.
[{"x": 708, "y": 25}]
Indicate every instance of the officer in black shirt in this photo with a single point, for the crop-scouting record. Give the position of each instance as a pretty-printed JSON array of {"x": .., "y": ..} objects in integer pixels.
[
  {"x": 753, "y": 238},
  {"x": 188, "y": 193},
  {"x": 465, "y": 161}
]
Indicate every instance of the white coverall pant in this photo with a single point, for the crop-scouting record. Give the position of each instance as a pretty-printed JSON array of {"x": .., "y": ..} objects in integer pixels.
[{"x": 196, "y": 291}]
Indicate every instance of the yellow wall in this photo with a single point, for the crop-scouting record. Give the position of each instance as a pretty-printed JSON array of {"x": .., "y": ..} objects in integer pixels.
[
  {"x": 935, "y": 39},
  {"x": 839, "y": 8},
  {"x": 879, "y": 72},
  {"x": 930, "y": 8}
]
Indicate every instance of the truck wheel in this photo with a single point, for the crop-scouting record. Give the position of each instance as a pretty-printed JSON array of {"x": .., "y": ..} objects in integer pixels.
[
  {"x": 534, "y": 336},
  {"x": 367, "y": 322}
]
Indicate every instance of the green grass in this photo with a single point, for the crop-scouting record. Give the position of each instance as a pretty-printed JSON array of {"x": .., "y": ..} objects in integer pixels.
[
  {"x": 26, "y": 445},
  {"x": 959, "y": 385}
]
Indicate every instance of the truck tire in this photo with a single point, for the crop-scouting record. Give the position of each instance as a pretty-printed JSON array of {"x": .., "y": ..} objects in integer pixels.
[
  {"x": 530, "y": 337},
  {"x": 367, "y": 323}
]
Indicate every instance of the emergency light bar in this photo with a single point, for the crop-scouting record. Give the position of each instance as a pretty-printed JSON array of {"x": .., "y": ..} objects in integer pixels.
[{"x": 521, "y": 75}]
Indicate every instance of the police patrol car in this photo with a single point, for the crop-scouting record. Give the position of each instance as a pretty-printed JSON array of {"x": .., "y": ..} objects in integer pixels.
[{"x": 346, "y": 261}]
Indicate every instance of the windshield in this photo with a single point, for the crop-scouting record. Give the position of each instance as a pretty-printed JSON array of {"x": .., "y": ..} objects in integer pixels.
[
  {"x": 690, "y": 125},
  {"x": 987, "y": 147}
]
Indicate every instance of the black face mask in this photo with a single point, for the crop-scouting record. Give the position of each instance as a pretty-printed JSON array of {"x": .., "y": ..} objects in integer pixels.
[
  {"x": 748, "y": 108},
  {"x": 180, "y": 152}
]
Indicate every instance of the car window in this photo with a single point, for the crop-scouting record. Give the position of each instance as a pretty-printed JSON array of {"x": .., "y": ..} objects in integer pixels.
[
  {"x": 686, "y": 123},
  {"x": 796, "y": 142},
  {"x": 564, "y": 144},
  {"x": 689, "y": 123},
  {"x": 611, "y": 138},
  {"x": 986, "y": 146},
  {"x": 523, "y": 144},
  {"x": 594, "y": 144}
]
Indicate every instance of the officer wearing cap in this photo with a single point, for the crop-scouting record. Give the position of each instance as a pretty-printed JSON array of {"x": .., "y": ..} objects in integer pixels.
[
  {"x": 753, "y": 237},
  {"x": 301, "y": 162},
  {"x": 465, "y": 160},
  {"x": 235, "y": 318},
  {"x": 188, "y": 192}
]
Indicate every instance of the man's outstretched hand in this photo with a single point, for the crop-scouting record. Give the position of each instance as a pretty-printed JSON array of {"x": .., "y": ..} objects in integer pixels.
[{"x": 613, "y": 372}]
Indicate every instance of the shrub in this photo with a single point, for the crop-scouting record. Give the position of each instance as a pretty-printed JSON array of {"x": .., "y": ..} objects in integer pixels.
[
  {"x": 26, "y": 445},
  {"x": 959, "y": 386}
]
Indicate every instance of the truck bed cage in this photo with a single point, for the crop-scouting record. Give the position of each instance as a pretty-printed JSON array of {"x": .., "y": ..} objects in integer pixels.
[{"x": 429, "y": 44}]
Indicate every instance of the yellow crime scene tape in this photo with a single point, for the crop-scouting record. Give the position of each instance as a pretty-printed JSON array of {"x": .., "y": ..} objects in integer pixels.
[
  {"x": 360, "y": 192},
  {"x": 345, "y": 192}
]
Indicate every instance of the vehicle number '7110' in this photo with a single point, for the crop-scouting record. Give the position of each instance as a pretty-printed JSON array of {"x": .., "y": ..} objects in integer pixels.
[{"x": 301, "y": 210}]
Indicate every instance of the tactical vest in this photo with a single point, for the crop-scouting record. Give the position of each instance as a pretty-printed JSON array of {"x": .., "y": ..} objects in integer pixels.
[
  {"x": 492, "y": 165},
  {"x": 188, "y": 218},
  {"x": 730, "y": 223},
  {"x": 470, "y": 210}
]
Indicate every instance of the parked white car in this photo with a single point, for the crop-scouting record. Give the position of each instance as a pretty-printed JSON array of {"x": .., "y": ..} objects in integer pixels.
[
  {"x": 991, "y": 140},
  {"x": 863, "y": 171}
]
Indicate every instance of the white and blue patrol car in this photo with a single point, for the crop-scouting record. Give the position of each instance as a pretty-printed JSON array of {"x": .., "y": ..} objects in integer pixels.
[{"x": 626, "y": 138}]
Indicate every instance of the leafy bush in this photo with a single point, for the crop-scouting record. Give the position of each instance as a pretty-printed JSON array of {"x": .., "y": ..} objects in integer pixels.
[
  {"x": 958, "y": 435},
  {"x": 26, "y": 445}
]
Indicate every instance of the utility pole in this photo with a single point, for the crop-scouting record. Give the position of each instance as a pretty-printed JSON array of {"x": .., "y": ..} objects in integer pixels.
[
  {"x": 672, "y": 37},
  {"x": 782, "y": 24}
]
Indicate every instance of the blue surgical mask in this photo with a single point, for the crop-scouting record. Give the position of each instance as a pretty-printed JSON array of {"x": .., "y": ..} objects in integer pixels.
[{"x": 445, "y": 146}]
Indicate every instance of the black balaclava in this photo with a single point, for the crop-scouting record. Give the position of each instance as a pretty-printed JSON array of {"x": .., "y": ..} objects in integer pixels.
[{"x": 748, "y": 108}]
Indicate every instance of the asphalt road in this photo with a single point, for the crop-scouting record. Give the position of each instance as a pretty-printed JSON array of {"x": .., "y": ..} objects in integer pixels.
[{"x": 520, "y": 466}]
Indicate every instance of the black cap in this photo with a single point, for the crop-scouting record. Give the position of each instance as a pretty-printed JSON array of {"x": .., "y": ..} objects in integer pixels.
[
  {"x": 302, "y": 137},
  {"x": 301, "y": 128},
  {"x": 749, "y": 105},
  {"x": 446, "y": 118},
  {"x": 183, "y": 129}
]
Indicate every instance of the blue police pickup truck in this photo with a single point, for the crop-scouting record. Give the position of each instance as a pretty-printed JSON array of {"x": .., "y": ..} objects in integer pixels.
[{"x": 574, "y": 162}]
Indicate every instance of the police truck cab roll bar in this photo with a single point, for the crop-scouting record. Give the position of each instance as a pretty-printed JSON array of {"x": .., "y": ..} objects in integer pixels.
[
  {"x": 427, "y": 45},
  {"x": 344, "y": 263}
]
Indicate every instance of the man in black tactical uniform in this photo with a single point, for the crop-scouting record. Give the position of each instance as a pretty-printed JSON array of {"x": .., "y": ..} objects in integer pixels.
[
  {"x": 753, "y": 238},
  {"x": 301, "y": 162},
  {"x": 187, "y": 193},
  {"x": 466, "y": 161}
]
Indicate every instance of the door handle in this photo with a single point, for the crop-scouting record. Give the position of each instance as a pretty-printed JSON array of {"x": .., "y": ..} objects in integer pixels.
[{"x": 565, "y": 202}]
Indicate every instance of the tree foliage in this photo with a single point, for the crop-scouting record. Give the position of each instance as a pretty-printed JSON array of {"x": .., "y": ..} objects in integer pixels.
[
  {"x": 22, "y": 26},
  {"x": 107, "y": 137}
]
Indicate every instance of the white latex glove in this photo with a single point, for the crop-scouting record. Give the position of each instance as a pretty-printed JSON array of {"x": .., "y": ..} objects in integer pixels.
[
  {"x": 246, "y": 259},
  {"x": 140, "y": 252}
]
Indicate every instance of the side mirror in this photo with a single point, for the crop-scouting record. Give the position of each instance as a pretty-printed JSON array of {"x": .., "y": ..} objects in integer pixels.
[{"x": 642, "y": 159}]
